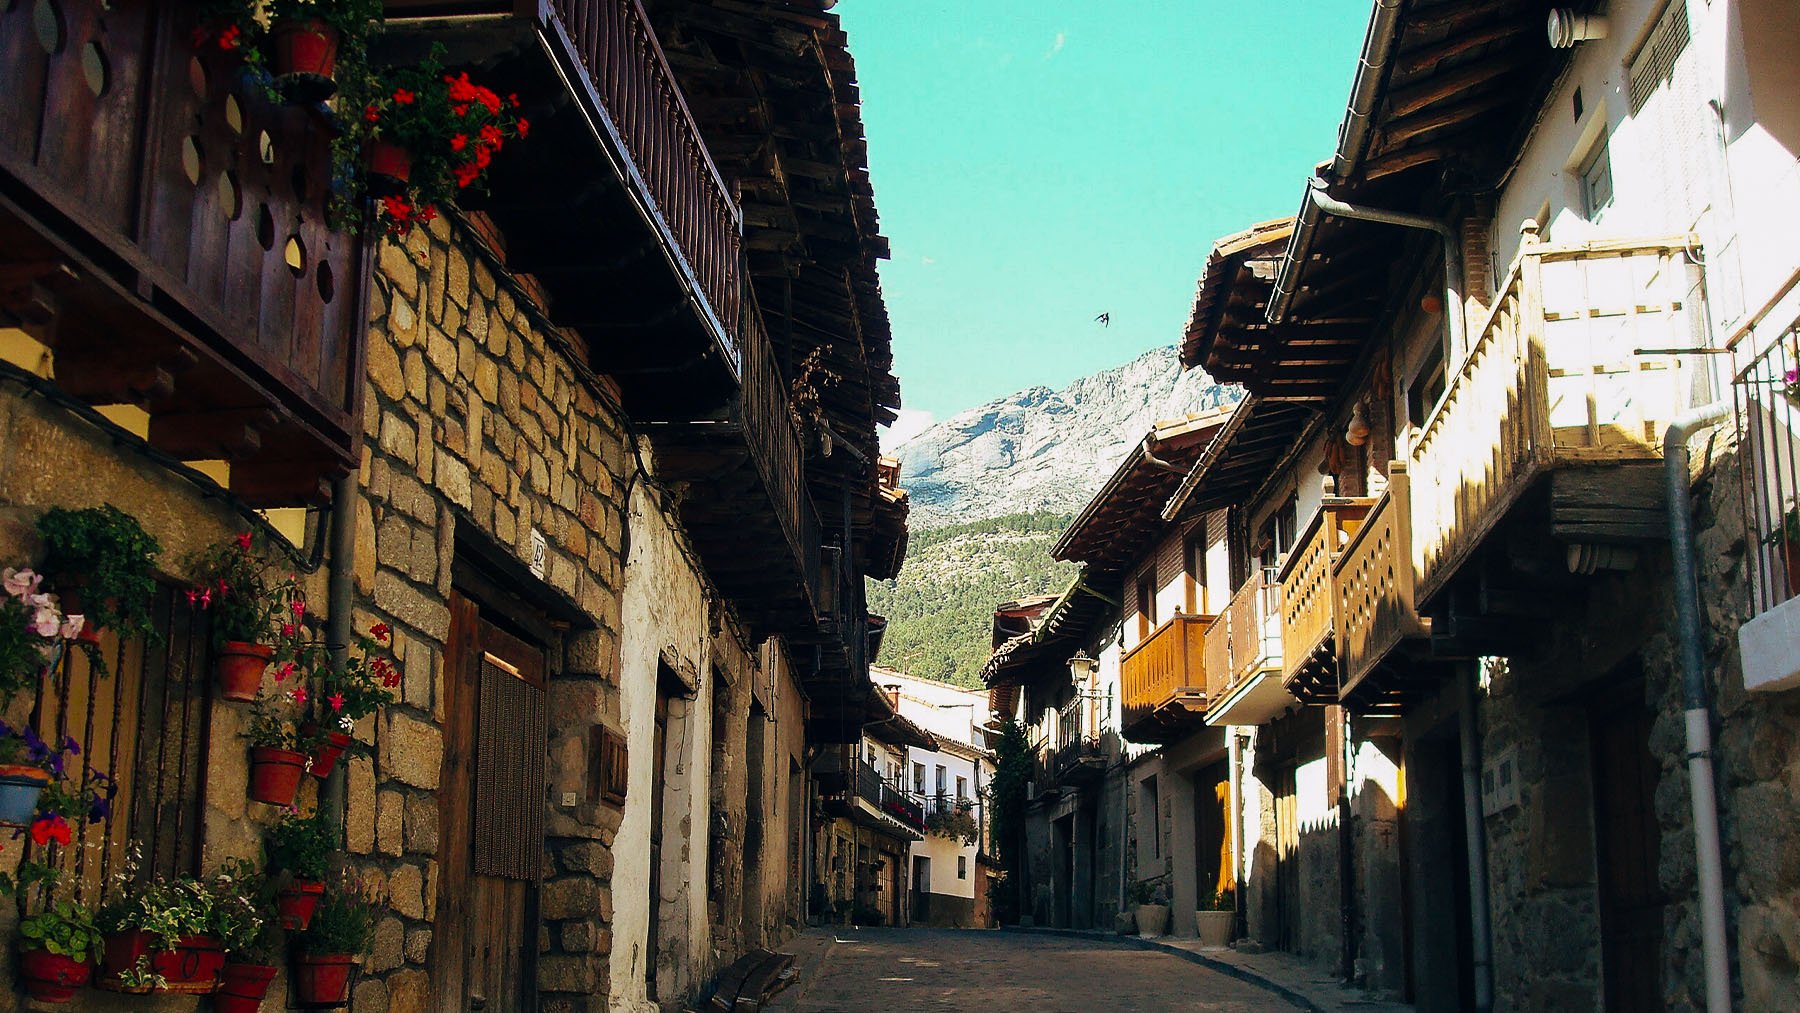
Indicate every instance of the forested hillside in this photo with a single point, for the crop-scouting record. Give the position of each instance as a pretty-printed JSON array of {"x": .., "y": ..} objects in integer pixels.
[{"x": 941, "y": 607}]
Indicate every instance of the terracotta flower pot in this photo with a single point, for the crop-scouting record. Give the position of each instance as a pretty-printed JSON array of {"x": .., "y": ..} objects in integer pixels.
[
  {"x": 322, "y": 978},
  {"x": 192, "y": 966},
  {"x": 390, "y": 162},
  {"x": 240, "y": 668},
  {"x": 305, "y": 59},
  {"x": 275, "y": 775},
  {"x": 52, "y": 977},
  {"x": 242, "y": 987},
  {"x": 20, "y": 786},
  {"x": 325, "y": 757},
  {"x": 296, "y": 902}
]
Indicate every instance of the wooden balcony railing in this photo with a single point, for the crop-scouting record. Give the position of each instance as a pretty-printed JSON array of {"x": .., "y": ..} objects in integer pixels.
[
  {"x": 667, "y": 159},
  {"x": 1172, "y": 659},
  {"x": 1553, "y": 377},
  {"x": 1373, "y": 585},
  {"x": 173, "y": 221},
  {"x": 775, "y": 445},
  {"x": 1245, "y": 639},
  {"x": 888, "y": 798},
  {"x": 1308, "y": 629}
]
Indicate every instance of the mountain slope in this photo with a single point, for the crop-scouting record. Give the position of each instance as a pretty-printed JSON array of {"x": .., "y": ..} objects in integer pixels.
[
  {"x": 1041, "y": 450},
  {"x": 941, "y": 607}
]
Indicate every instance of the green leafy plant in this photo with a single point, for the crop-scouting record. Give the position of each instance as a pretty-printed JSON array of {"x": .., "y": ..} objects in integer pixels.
[
  {"x": 65, "y": 928},
  {"x": 1788, "y": 530},
  {"x": 167, "y": 909},
  {"x": 301, "y": 846},
  {"x": 105, "y": 555},
  {"x": 276, "y": 719},
  {"x": 243, "y": 913},
  {"x": 452, "y": 126},
  {"x": 1012, "y": 775},
  {"x": 248, "y": 599},
  {"x": 141, "y": 977},
  {"x": 364, "y": 683},
  {"x": 344, "y": 921},
  {"x": 955, "y": 823},
  {"x": 1217, "y": 900}
]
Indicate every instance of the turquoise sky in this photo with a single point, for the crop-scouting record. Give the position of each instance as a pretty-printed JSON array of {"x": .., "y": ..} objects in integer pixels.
[{"x": 1039, "y": 163}]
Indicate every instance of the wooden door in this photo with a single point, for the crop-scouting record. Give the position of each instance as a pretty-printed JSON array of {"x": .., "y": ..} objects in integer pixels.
[
  {"x": 490, "y": 817},
  {"x": 1626, "y": 844}
]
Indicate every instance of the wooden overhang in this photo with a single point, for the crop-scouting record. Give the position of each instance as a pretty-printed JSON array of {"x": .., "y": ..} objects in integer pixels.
[
  {"x": 612, "y": 210},
  {"x": 1122, "y": 522},
  {"x": 773, "y": 88},
  {"x": 1058, "y": 632},
  {"x": 1452, "y": 88},
  {"x": 1015, "y": 617},
  {"x": 887, "y": 535},
  {"x": 1246, "y": 452},
  {"x": 163, "y": 230}
]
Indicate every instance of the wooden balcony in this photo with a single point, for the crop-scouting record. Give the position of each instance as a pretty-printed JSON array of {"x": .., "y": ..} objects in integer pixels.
[
  {"x": 162, "y": 232},
  {"x": 1550, "y": 431},
  {"x": 1243, "y": 657},
  {"x": 614, "y": 204},
  {"x": 1372, "y": 581},
  {"x": 1163, "y": 681},
  {"x": 1308, "y": 622}
]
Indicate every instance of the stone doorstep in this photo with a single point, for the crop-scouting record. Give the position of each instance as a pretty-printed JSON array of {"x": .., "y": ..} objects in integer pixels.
[
  {"x": 1278, "y": 973},
  {"x": 810, "y": 947}
]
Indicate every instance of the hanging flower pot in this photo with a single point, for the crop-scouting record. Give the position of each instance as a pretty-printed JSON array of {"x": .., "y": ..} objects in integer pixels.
[
  {"x": 389, "y": 163},
  {"x": 296, "y": 902},
  {"x": 240, "y": 668},
  {"x": 305, "y": 59},
  {"x": 275, "y": 775},
  {"x": 191, "y": 967},
  {"x": 322, "y": 979},
  {"x": 242, "y": 987},
  {"x": 52, "y": 977},
  {"x": 325, "y": 755},
  {"x": 20, "y": 786}
]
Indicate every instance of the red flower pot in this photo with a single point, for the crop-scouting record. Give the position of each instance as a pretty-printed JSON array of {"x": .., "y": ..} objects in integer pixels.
[
  {"x": 52, "y": 977},
  {"x": 192, "y": 966},
  {"x": 240, "y": 668},
  {"x": 325, "y": 757},
  {"x": 275, "y": 775},
  {"x": 242, "y": 987},
  {"x": 296, "y": 902},
  {"x": 322, "y": 978},
  {"x": 305, "y": 59},
  {"x": 390, "y": 161}
]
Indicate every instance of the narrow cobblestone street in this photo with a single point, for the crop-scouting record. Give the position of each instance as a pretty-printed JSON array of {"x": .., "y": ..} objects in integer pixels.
[{"x": 946, "y": 969}]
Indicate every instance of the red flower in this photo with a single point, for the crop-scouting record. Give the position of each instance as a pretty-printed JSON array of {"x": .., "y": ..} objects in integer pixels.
[
  {"x": 50, "y": 828},
  {"x": 396, "y": 208},
  {"x": 466, "y": 174},
  {"x": 425, "y": 213},
  {"x": 491, "y": 136},
  {"x": 524, "y": 126},
  {"x": 228, "y": 39},
  {"x": 336, "y": 700},
  {"x": 483, "y": 157},
  {"x": 243, "y": 541},
  {"x": 459, "y": 142},
  {"x": 372, "y": 114},
  {"x": 381, "y": 631},
  {"x": 402, "y": 96},
  {"x": 513, "y": 100}
]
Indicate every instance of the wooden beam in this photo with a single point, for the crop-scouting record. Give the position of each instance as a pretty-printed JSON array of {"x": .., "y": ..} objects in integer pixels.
[
  {"x": 1427, "y": 57},
  {"x": 1439, "y": 87},
  {"x": 1398, "y": 133},
  {"x": 232, "y": 433}
]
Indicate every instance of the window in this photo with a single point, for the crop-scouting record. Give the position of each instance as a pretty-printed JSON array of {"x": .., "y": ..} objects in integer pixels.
[
  {"x": 1193, "y": 554},
  {"x": 962, "y": 787},
  {"x": 1596, "y": 183},
  {"x": 962, "y": 866},
  {"x": 1146, "y": 603},
  {"x": 943, "y": 779},
  {"x": 918, "y": 779}
]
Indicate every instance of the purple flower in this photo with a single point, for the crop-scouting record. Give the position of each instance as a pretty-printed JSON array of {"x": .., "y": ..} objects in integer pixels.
[
  {"x": 71, "y": 745},
  {"x": 100, "y": 810}
]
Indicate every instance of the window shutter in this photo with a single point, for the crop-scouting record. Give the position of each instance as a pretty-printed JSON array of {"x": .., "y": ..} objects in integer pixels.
[{"x": 607, "y": 766}]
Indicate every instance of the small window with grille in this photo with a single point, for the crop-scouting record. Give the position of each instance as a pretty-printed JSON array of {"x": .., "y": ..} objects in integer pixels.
[{"x": 1596, "y": 183}]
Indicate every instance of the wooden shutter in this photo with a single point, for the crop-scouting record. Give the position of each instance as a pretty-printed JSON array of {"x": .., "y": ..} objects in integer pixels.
[
  {"x": 608, "y": 766},
  {"x": 511, "y": 735}
]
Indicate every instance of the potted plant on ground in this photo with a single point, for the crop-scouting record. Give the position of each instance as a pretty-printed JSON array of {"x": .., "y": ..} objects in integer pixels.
[
  {"x": 342, "y": 696},
  {"x": 341, "y": 930},
  {"x": 279, "y": 750},
  {"x": 34, "y": 632},
  {"x": 103, "y": 566},
  {"x": 431, "y": 135},
  {"x": 58, "y": 942},
  {"x": 1152, "y": 912},
  {"x": 244, "y": 923},
  {"x": 1213, "y": 920},
  {"x": 299, "y": 850},
  {"x": 157, "y": 939},
  {"x": 255, "y": 612}
]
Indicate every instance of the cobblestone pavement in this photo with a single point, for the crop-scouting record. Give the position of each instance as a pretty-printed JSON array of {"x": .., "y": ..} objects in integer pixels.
[{"x": 947, "y": 969}]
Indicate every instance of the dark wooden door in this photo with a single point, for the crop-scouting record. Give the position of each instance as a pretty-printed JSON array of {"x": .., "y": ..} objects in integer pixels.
[
  {"x": 1626, "y": 845},
  {"x": 490, "y": 815}
]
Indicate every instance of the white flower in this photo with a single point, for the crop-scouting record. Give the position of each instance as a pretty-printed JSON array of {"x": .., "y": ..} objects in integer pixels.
[
  {"x": 72, "y": 624},
  {"x": 19, "y": 583}
]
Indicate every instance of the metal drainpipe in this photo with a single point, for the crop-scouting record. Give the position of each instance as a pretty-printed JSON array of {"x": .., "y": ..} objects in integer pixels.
[
  {"x": 1480, "y": 930},
  {"x": 339, "y": 595},
  {"x": 1701, "y": 788},
  {"x": 1239, "y": 928},
  {"x": 1452, "y": 244}
]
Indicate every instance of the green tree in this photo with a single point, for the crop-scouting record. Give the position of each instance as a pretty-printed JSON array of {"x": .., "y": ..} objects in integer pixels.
[{"x": 1012, "y": 774}]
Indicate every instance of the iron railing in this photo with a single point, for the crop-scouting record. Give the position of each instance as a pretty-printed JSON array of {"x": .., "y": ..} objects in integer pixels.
[{"x": 1767, "y": 396}]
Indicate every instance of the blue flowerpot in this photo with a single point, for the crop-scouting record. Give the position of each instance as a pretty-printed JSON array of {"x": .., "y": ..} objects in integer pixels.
[{"x": 19, "y": 791}]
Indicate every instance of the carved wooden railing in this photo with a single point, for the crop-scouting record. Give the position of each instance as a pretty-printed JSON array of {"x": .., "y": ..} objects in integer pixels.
[
  {"x": 774, "y": 441},
  {"x": 1553, "y": 376},
  {"x": 668, "y": 160},
  {"x": 1373, "y": 584},
  {"x": 1172, "y": 658},
  {"x": 1306, "y": 596},
  {"x": 1245, "y": 638}
]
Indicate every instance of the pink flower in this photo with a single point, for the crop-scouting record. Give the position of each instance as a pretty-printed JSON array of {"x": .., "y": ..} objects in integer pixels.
[
  {"x": 336, "y": 700},
  {"x": 299, "y": 608},
  {"x": 243, "y": 541},
  {"x": 206, "y": 598},
  {"x": 299, "y": 694},
  {"x": 20, "y": 583},
  {"x": 287, "y": 629},
  {"x": 71, "y": 627},
  {"x": 45, "y": 622},
  {"x": 286, "y": 669}
]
